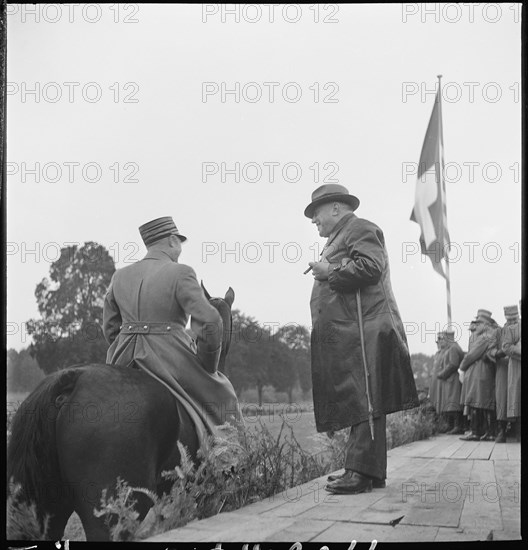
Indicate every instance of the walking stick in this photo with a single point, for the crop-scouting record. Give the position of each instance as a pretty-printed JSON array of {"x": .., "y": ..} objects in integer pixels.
[{"x": 365, "y": 367}]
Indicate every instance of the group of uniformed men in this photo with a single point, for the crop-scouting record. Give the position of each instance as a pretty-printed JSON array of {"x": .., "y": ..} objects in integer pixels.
[{"x": 482, "y": 387}]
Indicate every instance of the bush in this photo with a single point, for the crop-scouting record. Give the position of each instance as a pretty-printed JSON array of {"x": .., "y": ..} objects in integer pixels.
[
  {"x": 22, "y": 522},
  {"x": 241, "y": 467}
]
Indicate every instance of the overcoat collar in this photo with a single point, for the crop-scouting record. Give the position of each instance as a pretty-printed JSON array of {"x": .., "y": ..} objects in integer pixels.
[
  {"x": 335, "y": 232},
  {"x": 157, "y": 255}
]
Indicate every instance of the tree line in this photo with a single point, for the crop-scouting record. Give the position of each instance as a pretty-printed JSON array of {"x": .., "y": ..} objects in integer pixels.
[{"x": 69, "y": 332}]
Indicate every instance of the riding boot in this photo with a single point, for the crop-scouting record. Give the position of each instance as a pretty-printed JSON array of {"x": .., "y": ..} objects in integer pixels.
[
  {"x": 501, "y": 435},
  {"x": 485, "y": 425},
  {"x": 443, "y": 424},
  {"x": 208, "y": 359},
  {"x": 476, "y": 426},
  {"x": 478, "y": 422},
  {"x": 518, "y": 429},
  {"x": 458, "y": 428},
  {"x": 492, "y": 415}
]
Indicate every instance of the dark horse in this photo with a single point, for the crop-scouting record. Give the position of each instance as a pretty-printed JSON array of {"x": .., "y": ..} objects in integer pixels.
[{"x": 85, "y": 426}]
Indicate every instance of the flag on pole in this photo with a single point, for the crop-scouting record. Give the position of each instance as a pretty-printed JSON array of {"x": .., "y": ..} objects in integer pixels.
[{"x": 430, "y": 199}]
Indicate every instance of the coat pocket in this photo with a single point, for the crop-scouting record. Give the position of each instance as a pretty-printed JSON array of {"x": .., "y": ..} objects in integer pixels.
[{"x": 348, "y": 304}]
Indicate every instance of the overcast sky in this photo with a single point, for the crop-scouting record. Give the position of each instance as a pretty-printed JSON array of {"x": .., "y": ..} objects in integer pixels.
[{"x": 118, "y": 115}]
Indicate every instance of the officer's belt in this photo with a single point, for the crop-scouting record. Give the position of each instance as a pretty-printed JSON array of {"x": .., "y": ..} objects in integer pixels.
[{"x": 149, "y": 328}]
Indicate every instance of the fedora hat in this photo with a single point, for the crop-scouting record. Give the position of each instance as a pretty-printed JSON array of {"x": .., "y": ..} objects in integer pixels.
[
  {"x": 158, "y": 229},
  {"x": 330, "y": 192}
]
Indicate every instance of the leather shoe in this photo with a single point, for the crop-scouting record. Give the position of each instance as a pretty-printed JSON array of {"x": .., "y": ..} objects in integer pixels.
[
  {"x": 351, "y": 483},
  {"x": 376, "y": 482},
  {"x": 470, "y": 437},
  {"x": 456, "y": 431},
  {"x": 335, "y": 476}
]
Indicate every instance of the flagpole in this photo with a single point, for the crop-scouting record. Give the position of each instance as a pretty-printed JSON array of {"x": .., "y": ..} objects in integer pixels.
[{"x": 444, "y": 201}]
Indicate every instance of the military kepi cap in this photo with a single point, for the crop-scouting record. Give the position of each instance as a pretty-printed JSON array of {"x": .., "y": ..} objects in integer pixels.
[
  {"x": 158, "y": 229},
  {"x": 511, "y": 312},
  {"x": 331, "y": 192},
  {"x": 484, "y": 315}
]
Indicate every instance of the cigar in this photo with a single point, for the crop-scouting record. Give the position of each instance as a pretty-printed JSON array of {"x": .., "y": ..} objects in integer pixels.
[{"x": 308, "y": 270}]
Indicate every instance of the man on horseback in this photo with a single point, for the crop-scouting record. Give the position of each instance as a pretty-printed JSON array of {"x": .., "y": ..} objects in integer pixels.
[{"x": 145, "y": 313}]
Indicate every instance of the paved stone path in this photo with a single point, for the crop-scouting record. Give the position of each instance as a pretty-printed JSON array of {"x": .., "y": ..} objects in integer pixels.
[{"x": 445, "y": 489}]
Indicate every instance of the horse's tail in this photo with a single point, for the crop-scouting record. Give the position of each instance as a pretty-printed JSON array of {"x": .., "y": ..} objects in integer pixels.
[{"x": 32, "y": 455}]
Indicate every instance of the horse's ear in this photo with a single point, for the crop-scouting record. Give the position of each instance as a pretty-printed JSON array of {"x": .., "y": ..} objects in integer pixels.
[
  {"x": 230, "y": 296},
  {"x": 207, "y": 295}
]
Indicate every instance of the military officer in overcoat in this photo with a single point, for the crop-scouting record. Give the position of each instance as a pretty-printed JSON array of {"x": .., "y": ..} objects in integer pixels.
[
  {"x": 145, "y": 313},
  {"x": 435, "y": 388},
  {"x": 450, "y": 383},
  {"x": 511, "y": 345},
  {"x": 501, "y": 379},
  {"x": 462, "y": 375},
  {"x": 361, "y": 367},
  {"x": 479, "y": 380}
]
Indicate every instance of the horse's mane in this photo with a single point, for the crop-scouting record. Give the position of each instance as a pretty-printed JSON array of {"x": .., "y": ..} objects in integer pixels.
[{"x": 225, "y": 313}]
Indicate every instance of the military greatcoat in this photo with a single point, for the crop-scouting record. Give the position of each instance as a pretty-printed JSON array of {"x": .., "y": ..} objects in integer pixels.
[
  {"x": 479, "y": 378},
  {"x": 511, "y": 345},
  {"x": 162, "y": 294},
  {"x": 359, "y": 263},
  {"x": 501, "y": 375},
  {"x": 449, "y": 379},
  {"x": 435, "y": 388}
]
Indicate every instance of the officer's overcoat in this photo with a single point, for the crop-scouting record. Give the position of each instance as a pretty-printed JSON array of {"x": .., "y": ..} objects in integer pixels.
[
  {"x": 479, "y": 378},
  {"x": 451, "y": 386},
  {"x": 158, "y": 290},
  {"x": 356, "y": 250},
  {"x": 511, "y": 345},
  {"x": 435, "y": 388}
]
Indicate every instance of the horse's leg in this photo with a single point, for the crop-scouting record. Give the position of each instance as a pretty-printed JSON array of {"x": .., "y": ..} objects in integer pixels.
[
  {"x": 187, "y": 436},
  {"x": 58, "y": 519}
]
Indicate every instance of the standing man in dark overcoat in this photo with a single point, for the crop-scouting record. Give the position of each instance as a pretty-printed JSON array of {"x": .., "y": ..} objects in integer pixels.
[
  {"x": 450, "y": 384},
  {"x": 361, "y": 367},
  {"x": 479, "y": 377},
  {"x": 501, "y": 380},
  {"x": 511, "y": 345},
  {"x": 435, "y": 388},
  {"x": 466, "y": 413}
]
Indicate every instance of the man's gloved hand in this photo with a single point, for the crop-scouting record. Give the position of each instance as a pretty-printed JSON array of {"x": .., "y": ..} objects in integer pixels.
[
  {"x": 500, "y": 355},
  {"x": 208, "y": 359}
]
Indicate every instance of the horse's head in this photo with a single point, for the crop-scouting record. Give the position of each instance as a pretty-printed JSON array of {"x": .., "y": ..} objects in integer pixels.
[{"x": 223, "y": 306}]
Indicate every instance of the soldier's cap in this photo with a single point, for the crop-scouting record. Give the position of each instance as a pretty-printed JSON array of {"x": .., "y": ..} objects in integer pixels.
[
  {"x": 158, "y": 229},
  {"x": 511, "y": 312},
  {"x": 330, "y": 192},
  {"x": 450, "y": 334},
  {"x": 484, "y": 316},
  {"x": 440, "y": 336}
]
